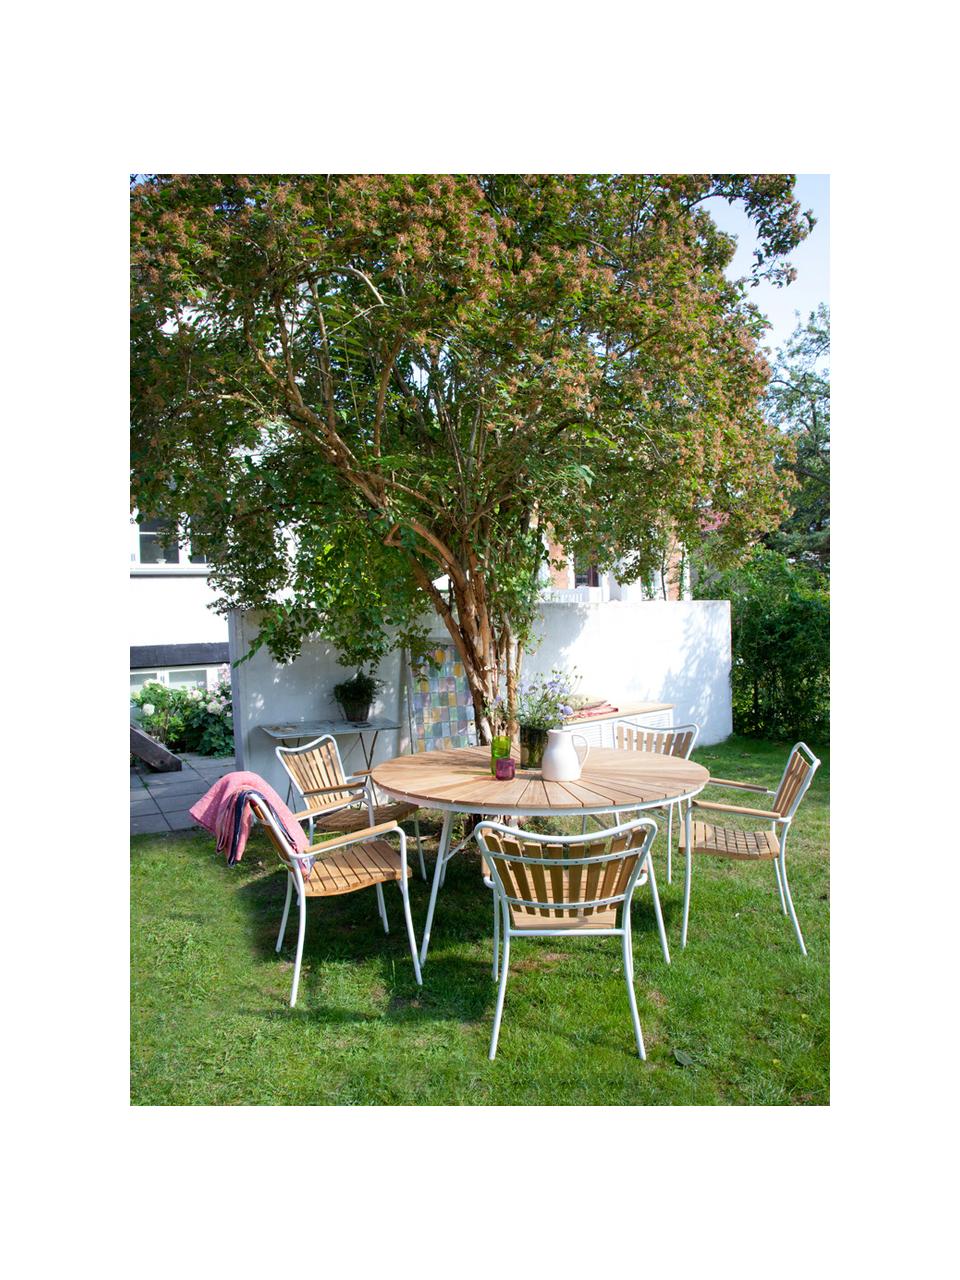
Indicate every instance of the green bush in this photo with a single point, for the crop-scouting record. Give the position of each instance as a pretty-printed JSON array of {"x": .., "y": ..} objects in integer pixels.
[
  {"x": 198, "y": 720},
  {"x": 780, "y": 632}
]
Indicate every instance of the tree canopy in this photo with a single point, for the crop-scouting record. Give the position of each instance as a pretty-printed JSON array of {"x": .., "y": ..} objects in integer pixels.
[
  {"x": 350, "y": 387},
  {"x": 798, "y": 403}
]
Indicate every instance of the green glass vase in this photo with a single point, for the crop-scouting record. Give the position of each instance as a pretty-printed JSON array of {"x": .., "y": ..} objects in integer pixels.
[
  {"x": 532, "y": 744},
  {"x": 499, "y": 747}
]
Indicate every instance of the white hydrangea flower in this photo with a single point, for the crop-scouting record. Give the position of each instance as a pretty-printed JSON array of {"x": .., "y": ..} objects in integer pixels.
[{"x": 148, "y": 708}]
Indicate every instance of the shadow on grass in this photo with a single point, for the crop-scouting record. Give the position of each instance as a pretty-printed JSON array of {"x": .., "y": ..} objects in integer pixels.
[{"x": 344, "y": 932}]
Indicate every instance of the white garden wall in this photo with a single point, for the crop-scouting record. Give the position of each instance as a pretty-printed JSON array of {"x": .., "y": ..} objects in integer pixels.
[{"x": 658, "y": 651}]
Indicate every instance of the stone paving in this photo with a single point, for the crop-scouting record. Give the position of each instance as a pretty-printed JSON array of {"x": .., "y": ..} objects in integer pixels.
[{"x": 161, "y": 801}]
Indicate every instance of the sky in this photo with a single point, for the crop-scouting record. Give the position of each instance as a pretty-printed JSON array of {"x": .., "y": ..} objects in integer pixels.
[{"x": 811, "y": 259}]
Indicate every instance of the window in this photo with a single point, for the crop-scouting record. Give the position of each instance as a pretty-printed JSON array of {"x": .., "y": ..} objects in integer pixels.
[
  {"x": 158, "y": 543},
  {"x": 176, "y": 678},
  {"x": 585, "y": 573},
  {"x": 155, "y": 543},
  {"x": 187, "y": 679}
]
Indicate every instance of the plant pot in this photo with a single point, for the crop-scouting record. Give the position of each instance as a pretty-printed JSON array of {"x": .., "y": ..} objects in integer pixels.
[
  {"x": 532, "y": 743},
  {"x": 356, "y": 711}
]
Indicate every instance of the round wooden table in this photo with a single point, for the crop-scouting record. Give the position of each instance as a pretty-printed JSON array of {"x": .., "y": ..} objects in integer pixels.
[{"x": 460, "y": 782}]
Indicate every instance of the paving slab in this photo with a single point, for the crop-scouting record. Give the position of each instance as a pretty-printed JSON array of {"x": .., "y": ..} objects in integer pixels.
[
  {"x": 147, "y": 824},
  {"x": 180, "y": 820},
  {"x": 139, "y": 807},
  {"x": 177, "y": 788},
  {"x": 161, "y": 801},
  {"x": 177, "y": 804}
]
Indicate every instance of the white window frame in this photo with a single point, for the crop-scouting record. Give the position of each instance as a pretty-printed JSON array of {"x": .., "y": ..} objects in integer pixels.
[
  {"x": 182, "y": 570},
  {"x": 163, "y": 674}
]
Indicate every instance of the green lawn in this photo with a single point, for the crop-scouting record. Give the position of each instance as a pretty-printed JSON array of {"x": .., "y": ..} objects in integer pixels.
[{"x": 211, "y": 1022}]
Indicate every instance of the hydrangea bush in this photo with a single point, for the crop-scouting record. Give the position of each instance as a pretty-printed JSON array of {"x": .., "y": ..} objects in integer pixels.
[{"x": 198, "y": 720}]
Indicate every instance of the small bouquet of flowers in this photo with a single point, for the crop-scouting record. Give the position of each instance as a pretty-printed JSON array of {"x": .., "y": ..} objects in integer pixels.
[{"x": 543, "y": 703}]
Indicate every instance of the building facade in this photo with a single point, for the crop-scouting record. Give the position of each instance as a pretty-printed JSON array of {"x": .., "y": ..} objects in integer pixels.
[{"x": 175, "y": 637}]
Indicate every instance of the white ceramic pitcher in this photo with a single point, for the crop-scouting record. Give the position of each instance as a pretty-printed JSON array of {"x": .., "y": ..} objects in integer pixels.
[{"x": 562, "y": 761}]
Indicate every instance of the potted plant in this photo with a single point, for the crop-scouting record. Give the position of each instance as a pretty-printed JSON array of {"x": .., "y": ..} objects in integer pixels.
[
  {"x": 355, "y": 696},
  {"x": 543, "y": 703}
]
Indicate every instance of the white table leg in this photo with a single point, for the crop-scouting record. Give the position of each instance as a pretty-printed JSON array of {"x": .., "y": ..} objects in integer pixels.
[{"x": 437, "y": 876}]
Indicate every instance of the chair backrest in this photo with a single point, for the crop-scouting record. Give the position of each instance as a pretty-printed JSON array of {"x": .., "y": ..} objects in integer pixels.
[
  {"x": 315, "y": 765},
  {"x": 565, "y": 878},
  {"x": 275, "y": 833},
  {"x": 439, "y": 704},
  {"x": 678, "y": 740},
  {"x": 797, "y": 776}
]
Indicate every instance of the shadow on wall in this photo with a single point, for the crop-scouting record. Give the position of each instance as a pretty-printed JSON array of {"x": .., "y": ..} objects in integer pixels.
[{"x": 656, "y": 651}]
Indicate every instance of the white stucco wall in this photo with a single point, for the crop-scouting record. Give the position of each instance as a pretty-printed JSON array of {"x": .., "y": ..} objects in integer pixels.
[
  {"x": 660, "y": 651},
  {"x": 173, "y": 609},
  {"x": 264, "y": 692}
]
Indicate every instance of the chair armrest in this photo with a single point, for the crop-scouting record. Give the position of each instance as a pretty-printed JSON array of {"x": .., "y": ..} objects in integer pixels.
[
  {"x": 741, "y": 786},
  {"x": 770, "y": 814},
  {"x": 335, "y": 790},
  {"x": 355, "y": 837},
  {"x": 325, "y": 810}
]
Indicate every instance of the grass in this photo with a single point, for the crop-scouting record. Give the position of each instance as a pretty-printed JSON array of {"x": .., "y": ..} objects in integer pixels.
[{"x": 211, "y": 1022}]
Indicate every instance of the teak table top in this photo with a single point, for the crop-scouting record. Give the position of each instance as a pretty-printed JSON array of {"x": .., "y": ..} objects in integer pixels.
[{"x": 460, "y": 781}]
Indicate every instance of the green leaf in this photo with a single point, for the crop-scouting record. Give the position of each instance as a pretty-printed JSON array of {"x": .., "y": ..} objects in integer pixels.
[{"x": 684, "y": 1058}]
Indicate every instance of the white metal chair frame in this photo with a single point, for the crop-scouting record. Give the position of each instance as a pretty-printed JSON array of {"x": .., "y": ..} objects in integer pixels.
[
  {"x": 661, "y": 741},
  {"x": 779, "y": 825},
  {"x": 290, "y": 858},
  {"x": 359, "y": 784},
  {"x": 506, "y": 901}
]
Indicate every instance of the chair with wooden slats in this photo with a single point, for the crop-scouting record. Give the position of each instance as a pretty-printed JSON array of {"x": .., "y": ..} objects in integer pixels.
[
  {"x": 332, "y": 801},
  {"x": 678, "y": 740},
  {"x": 343, "y": 864},
  {"x": 569, "y": 886},
  {"x": 752, "y": 846}
]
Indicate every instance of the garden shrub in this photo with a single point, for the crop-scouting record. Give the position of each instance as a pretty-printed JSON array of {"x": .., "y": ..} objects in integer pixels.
[
  {"x": 199, "y": 720},
  {"x": 780, "y": 632}
]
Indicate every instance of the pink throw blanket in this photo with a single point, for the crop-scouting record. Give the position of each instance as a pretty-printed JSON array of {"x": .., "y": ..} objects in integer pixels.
[{"x": 215, "y": 813}]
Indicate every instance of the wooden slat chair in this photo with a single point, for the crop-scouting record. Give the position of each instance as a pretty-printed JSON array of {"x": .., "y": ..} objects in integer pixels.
[
  {"x": 334, "y": 802},
  {"x": 344, "y": 864},
  {"x": 571, "y": 885},
  {"x": 753, "y": 846},
  {"x": 679, "y": 740}
]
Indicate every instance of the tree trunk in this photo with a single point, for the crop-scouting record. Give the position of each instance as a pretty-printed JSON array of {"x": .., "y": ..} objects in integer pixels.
[{"x": 488, "y": 659}]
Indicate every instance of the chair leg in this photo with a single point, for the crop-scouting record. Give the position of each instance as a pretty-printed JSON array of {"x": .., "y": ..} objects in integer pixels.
[
  {"x": 502, "y": 991},
  {"x": 627, "y": 939},
  {"x": 496, "y": 936},
  {"x": 286, "y": 911},
  {"x": 669, "y": 844},
  {"x": 437, "y": 872},
  {"x": 688, "y": 875},
  {"x": 656, "y": 909},
  {"x": 423, "y": 865},
  {"x": 786, "y": 893},
  {"x": 405, "y": 894},
  {"x": 382, "y": 907},
  {"x": 776, "y": 868},
  {"x": 296, "y": 963}
]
